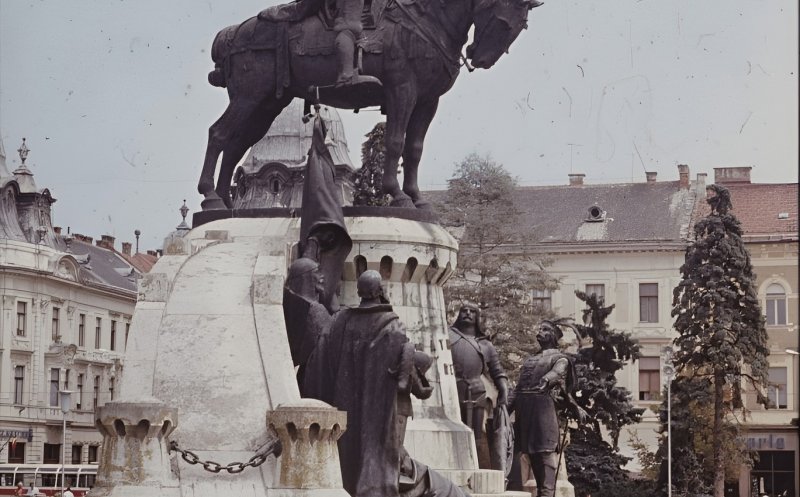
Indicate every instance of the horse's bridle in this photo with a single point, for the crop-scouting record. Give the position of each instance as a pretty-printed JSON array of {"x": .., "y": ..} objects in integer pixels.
[{"x": 433, "y": 40}]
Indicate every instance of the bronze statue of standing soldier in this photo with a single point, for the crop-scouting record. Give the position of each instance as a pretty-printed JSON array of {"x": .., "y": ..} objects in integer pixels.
[
  {"x": 473, "y": 356},
  {"x": 545, "y": 386}
]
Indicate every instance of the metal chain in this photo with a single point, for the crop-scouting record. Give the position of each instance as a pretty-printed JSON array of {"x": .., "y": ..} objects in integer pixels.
[{"x": 272, "y": 448}]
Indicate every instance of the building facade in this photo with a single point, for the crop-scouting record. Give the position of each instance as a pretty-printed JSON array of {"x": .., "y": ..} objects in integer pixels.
[
  {"x": 627, "y": 243},
  {"x": 66, "y": 310}
]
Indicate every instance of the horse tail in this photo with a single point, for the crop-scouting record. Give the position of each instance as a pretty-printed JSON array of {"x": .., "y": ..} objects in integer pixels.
[{"x": 220, "y": 49}]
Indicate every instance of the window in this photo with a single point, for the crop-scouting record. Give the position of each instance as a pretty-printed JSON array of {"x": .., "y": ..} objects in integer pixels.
[
  {"x": 97, "y": 327},
  {"x": 52, "y": 453},
  {"x": 777, "y": 388},
  {"x": 76, "y": 454},
  {"x": 113, "y": 335},
  {"x": 776, "y": 468},
  {"x": 82, "y": 330},
  {"x": 80, "y": 392},
  {"x": 22, "y": 318},
  {"x": 96, "y": 391},
  {"x": 541, "y": 299},
  {"x": 19, "y": 383},
  {"x": 16, "y": 451},
  {"x": 127, "y": 330},
  {"x": 776, "y": 305},
  {"x": 66, "y": 379},
  {"x": 649, "y": 378},
  {"x": 93, "y": 454},
  {"x": 597, "y": 289},
  {"x": 648, "y": 302},
  {"x": 111, "y": 388},
  {"x": 56, "y": 335},
  {"x": 55, "y": 374}
]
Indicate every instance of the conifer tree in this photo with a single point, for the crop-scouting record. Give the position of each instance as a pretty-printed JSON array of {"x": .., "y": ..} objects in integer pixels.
[
  {"x": 369, "y": 179},
  {"x": 594, "y": 464},
  {"x": 721, "y": 338}
]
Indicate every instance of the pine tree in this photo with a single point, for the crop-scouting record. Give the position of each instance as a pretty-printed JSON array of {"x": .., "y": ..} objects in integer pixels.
[
  {"x": 479, "y": 207},
  {"x": 369, "y": 179},
  {"x": 722, "y": 339},
  {"x": 594, "y": 464}
]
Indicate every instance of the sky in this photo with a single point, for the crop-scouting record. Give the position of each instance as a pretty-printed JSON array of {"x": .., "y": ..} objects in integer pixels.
[{"x": 113, "y": 99}]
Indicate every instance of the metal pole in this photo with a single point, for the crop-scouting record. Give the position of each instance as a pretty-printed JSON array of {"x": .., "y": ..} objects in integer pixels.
[
  {"x": 66, "y": 404},
  {"x": 669, "y": 437},
  {"x": 63, "y": 448}
]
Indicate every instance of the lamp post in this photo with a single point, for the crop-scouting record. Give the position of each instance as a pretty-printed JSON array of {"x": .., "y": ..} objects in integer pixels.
[
  {"x": 669, "y": 373},
  {"x": 65, "y": 396}
]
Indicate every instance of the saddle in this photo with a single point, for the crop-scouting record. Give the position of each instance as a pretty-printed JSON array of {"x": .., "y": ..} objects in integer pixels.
[{"x": 298, "y": 10}]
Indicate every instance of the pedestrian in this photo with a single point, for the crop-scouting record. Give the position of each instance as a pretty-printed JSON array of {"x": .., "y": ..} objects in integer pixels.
[
  {"x": 68, "y": 492},
  {"x": 20, "y": 489}
]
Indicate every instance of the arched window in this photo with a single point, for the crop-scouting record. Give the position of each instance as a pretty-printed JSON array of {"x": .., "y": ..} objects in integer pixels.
[{"x": 776, "y": 305}]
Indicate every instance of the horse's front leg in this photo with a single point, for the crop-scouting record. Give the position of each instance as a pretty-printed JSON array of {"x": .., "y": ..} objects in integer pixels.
[
  {"x": 417, "y": 128},
  {"x": 400, "y": 101}
]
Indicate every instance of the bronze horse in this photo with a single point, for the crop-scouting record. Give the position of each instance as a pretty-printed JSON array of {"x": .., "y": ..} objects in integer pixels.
[{"x": 414, "y": 50}]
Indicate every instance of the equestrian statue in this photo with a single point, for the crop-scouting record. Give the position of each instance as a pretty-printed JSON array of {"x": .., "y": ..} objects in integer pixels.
[{"x": 400, "y": 55}]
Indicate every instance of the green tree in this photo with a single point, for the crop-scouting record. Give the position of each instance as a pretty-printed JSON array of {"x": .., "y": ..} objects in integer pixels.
[
  {"x": 369, "y": 179},
  {"x": 593, "y": 463},
  {"x": 496, "y": 270},
  {"x": 720, "y": 326}
]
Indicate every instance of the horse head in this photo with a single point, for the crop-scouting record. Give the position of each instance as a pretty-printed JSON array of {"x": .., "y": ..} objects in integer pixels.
[{"x": 497, "y": 25}]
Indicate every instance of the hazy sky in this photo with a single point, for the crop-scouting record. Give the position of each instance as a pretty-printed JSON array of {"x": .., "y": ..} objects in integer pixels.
[{"x": 113, "y": 99}]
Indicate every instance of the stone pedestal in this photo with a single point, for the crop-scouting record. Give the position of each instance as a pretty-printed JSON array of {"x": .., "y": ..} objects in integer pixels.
[
  {"x": 135, "y": 460},
  {"x": 208, "y": 336},
  {"x": 309, "y": 431}
]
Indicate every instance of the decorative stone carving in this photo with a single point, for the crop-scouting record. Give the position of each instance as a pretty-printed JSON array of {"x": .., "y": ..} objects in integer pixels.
[
  {"x": 135, "y": 459},
  {"x": 308, "y": 430}
]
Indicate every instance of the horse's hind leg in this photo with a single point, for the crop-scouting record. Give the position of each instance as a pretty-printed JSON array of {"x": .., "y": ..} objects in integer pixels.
[
  {"x": 417, "y": 128},
  {"x": 252, "y": 130}
]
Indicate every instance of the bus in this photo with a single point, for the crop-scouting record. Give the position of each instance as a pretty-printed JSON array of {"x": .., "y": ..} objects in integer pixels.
[{"x": 47, "y": 477}]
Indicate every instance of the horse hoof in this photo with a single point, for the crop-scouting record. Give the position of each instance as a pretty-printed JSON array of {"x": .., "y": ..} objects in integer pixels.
[
  {"x": 213, "y": 203},
  {"x": 423, "y": 204},
  {"x": 403, "y": 201}
]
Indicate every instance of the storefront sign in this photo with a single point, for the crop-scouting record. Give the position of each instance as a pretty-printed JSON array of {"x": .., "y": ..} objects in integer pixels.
[
  {"x": 19, "y": 434},
  {"x": 766, "y": 442}
]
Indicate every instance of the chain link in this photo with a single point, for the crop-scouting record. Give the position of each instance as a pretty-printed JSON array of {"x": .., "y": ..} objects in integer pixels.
[{"x": 272, "y": 448}]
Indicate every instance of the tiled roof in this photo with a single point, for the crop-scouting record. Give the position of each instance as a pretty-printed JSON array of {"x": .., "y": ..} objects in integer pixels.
[
  {"x": 142, "y": 262},
  {"x": 653, "y": 212},
  {"x": 104, "y": 266},
  {"x": 760, "y": 208}
]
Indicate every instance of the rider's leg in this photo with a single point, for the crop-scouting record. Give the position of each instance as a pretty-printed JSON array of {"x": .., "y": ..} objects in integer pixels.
[{"x": 348, "y": 30}]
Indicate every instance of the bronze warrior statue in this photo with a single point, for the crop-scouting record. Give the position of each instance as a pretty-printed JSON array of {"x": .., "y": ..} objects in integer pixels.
[
  {"x": 545, "y": 384},
  {"x": 473, "y": 356}
]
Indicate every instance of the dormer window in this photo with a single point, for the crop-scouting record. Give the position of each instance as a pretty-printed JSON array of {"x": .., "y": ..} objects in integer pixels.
[
  {"x": 275, "y": 185},
  {"x": 596, "y": 215}
]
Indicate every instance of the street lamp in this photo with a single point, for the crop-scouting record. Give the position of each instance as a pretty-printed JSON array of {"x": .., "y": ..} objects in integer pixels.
[
  {"x": 669, "y": 372},
  {"x": 65, "y": 396}
]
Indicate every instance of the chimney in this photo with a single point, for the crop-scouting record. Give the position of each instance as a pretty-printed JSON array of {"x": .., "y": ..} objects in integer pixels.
[
  {"x": 651, "y": 176},
  {"x": 683, "y": 174},
  {"x": 83, "y": 238},
  {"x": 732, "y": 174},
  {"x": 153, "y": 253},
  {"x": 126, "y": 248},
  {"x": 700, "y": 188},
  {"x": 57, "y": 230},
  {"x": 106, "y": 241},
  {"x": 576, "y": 179}
]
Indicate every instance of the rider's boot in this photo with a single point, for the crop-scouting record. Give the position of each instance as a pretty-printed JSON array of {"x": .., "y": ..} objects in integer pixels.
[{"x": 345, "y": 52}]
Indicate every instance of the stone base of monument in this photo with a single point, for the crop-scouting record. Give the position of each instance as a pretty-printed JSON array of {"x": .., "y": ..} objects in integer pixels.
[
  {"x": 482, "y": 482},
  {"x": 208, "y": 336}
]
